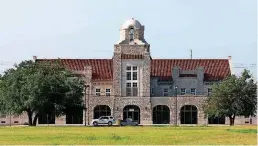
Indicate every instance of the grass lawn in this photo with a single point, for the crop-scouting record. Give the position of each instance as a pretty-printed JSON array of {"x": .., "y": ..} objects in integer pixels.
[{"x": 129, "y": 135}]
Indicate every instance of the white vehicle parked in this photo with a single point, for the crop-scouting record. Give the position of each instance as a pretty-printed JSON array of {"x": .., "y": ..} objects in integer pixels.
[{"x": 103, "y": 120}]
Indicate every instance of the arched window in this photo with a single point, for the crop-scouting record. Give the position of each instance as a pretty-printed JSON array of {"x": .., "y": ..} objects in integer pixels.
[
  {"x": 131, "y": 34},
  {"x": 161, "y": 114},
  {"x": 188, "y": 114}
]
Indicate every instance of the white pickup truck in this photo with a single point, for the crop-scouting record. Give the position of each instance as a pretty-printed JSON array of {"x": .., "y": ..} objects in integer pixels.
[{"x": 103, "y": 120}]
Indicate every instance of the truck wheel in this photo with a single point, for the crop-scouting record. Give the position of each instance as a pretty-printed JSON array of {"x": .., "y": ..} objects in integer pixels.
[
  {"x": 95, "y": 123},
  {"x": 109, "y": 123}
]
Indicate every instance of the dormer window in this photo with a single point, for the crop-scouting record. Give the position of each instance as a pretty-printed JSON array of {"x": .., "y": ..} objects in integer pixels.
[{"x": 131, "y": 34}]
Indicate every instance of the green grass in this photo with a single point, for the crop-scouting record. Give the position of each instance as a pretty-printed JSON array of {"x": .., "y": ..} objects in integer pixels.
[{"x": 129, "y": 135}]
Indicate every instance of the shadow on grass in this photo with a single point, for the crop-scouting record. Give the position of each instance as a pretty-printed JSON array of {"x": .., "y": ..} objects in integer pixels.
[{"x": 243, "y": 130}]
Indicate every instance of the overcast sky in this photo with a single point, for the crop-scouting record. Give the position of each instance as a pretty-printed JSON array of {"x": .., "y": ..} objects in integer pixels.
[{"x": 89, "y": 29}]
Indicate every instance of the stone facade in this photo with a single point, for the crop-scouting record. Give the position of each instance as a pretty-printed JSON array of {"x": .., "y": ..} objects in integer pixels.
[{"x": 152, "y": 90}]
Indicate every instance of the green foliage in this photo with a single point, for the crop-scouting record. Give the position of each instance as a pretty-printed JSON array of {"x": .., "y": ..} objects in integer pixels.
[
  {"x": 235, "y": 96},
  {"x": 38, "y": 88}
]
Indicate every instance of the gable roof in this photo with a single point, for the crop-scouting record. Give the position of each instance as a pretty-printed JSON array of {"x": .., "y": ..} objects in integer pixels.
[{"x": 102, "y": 69}]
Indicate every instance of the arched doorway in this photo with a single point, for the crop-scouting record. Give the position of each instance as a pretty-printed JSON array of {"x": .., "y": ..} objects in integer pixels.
[
  {"x": 216, "y": 120},
  {"x": 188, "y": 114},
  {"x": 161, "y": 114},
  {"x": 132, "y": 111},
  {"x": 74, "y": 115},
  {"x": 101, "y": 110}
]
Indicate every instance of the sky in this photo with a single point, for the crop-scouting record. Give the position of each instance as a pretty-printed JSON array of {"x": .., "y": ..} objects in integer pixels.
[{"x": 90, "y": 28}]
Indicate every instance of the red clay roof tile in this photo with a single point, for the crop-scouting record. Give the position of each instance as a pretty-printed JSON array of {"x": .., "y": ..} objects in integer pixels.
[
  {"x": 102, "y": 69},
  {"x": 214, "y": 69}
]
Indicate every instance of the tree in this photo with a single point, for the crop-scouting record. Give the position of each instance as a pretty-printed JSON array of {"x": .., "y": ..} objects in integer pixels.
[
  {"x": 37, "y": 88},
  {"x": 234, "y": 96}
]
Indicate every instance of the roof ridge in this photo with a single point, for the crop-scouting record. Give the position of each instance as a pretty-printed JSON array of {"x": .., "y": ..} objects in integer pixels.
[
  {"x": 191, "y": 59},
  {"x": 72, "y": 59}
]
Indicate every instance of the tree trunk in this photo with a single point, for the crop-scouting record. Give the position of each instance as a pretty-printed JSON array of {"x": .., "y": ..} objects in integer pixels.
[
  {"x": 232, "y": 120},
  {"x": 29, "y": 113},
  {"x": 35, "y": 120}
]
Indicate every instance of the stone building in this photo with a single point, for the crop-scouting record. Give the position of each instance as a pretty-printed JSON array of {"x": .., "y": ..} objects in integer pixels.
[{"x": 150, "y": 91}]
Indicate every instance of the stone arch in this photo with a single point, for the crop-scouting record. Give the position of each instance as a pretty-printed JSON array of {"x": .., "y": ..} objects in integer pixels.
[
  {"x": 101, "y": 110},
  {"x": 131, "y": 33},
  {"x": 161, "y": 114},
  {"x": 74, "y": 115},
  {"x": 189, "y": 114},
  {"x": 132, "y": 111}
]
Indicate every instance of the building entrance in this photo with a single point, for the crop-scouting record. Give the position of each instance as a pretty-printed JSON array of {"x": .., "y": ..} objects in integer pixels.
[{"x": 133, "y": 112}]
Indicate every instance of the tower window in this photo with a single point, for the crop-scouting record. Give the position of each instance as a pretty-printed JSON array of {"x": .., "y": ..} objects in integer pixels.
[
  {"x": 131, "y": 34},
  {"x": 131, "y": 81}
]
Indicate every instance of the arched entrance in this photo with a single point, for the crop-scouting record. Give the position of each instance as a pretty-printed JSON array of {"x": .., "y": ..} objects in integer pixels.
[
  {"x": 74, "y": 115},
  {"x": 133, "y": 112},
  {"x": 161, "y": 114},
  {"x": 188, "y": 114},
  {"x": 101, "y": 110},
  {"x": 216, "y": 120}
]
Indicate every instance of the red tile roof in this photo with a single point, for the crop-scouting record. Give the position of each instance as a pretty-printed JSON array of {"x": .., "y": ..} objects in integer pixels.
[
  {"x": 215, "y": 69},
  {"x": 101, "y": 68}
]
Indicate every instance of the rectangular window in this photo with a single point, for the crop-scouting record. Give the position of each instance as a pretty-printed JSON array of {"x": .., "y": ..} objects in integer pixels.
[
  {"x": 128, "y": 89},
  {"x": 193, "y": 91},
  {"x": 97, "y": 92},
  {"x": 134, "y": 84},
  {"x": 209, "y": 91},
  {"x": 128, "y": 68},
  {"x": 134, "y": 75},
  {"x": 108, "y": 92},
  {"x": 131, "y": 79},
  {"x": 182, "y": 91},
  {"x": 165, "y": 92},
  {"x": 128, "y": 76},
  {"x": 135, "y": 89},
  {"x": 128, "y": 85}
]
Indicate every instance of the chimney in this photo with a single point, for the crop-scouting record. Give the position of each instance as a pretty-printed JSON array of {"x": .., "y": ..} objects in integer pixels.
[
  {"x": 34, "y": 58},
  {"x": 230, "y": 64}
]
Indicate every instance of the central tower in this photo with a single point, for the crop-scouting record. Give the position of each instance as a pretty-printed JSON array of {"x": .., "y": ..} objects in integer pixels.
[{"x": 131, "y": 62}]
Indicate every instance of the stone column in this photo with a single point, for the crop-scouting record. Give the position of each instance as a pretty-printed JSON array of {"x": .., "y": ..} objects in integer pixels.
[
  {"x": 145, "y": 111},
  {"x": 146, "y": 75},
  {"x": 117, "y": 77},
  {"x": 88, "y": 86}
]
